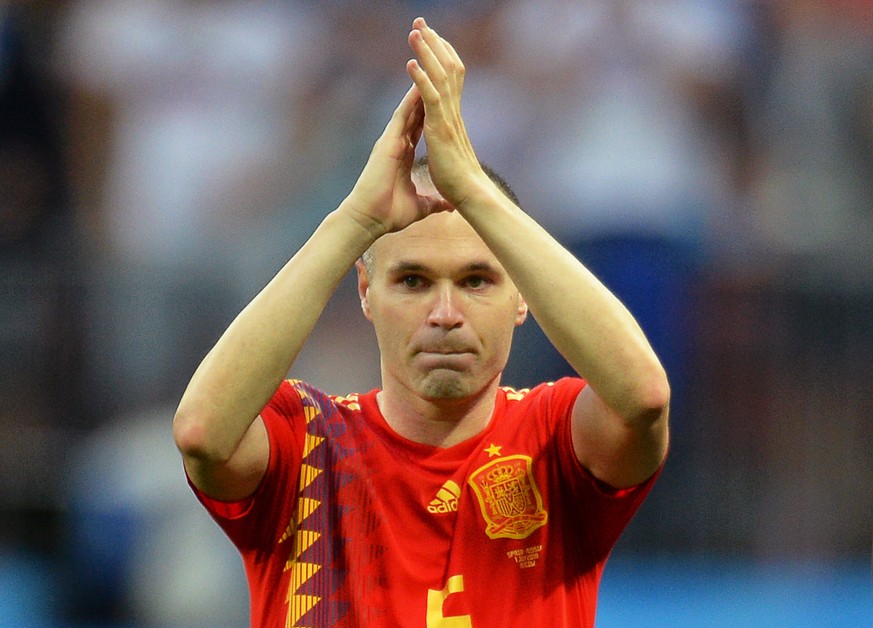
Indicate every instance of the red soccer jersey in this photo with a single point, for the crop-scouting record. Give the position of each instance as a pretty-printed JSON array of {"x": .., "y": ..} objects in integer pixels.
[{"x": 354, "y": 525}]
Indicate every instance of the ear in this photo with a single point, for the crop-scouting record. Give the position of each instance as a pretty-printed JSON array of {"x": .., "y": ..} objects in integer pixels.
[
  {"x": 521, "y": 315},
  {"x": 364, "y": 288}
]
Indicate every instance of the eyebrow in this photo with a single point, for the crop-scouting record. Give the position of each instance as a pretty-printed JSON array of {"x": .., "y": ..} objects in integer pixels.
[
  {"x": 406, "y": 267},
  {"x": 417, "y": 267}
]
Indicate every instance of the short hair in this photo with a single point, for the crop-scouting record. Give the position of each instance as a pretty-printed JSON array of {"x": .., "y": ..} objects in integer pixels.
[{"x": 420, "y": 167}]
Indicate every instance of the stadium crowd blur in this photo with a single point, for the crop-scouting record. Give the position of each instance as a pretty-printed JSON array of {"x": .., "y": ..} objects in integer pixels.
[{"x": 711, "y": 160}]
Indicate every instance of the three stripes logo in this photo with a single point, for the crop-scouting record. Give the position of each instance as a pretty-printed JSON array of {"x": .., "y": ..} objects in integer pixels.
[{"x": 446, "y": 499}]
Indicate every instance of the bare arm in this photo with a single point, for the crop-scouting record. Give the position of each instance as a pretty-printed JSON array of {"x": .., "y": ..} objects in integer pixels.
[
  {"x": 217, "y": 428},
  {"x": 620, "y": 420}
]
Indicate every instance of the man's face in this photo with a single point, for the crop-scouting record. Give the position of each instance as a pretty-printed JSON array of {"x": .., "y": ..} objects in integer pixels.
[{"x": 443, "y": 307}]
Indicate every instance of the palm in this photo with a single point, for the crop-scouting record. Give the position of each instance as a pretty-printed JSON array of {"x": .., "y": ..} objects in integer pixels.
[{"x": 385, "y": 196}]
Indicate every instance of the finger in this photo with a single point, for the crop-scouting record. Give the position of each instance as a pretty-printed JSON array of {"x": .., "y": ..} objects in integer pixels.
[
  {"x": 404, "y": 110},
  {"x": 397, "y": 122},
  {"x": 422, "y": 81},
  {"x": 454, "y": 60},
  {"x": 416, "y": 122},
  {"x": 427, "y": 57},
  {"x": 447, "y": 61},
  {"x": 409, "y": 106},
  {"x": 433, "y": 39},
  {"x": 413, "y": 126}
]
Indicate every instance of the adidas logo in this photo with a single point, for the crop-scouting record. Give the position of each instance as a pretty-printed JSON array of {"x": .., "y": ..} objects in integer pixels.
[{"x": 446, "y": 499}]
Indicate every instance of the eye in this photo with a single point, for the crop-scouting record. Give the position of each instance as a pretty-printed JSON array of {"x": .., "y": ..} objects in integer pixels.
[
  {"x": 476, "y": 282},
  {"x": 412, "y": 281}
]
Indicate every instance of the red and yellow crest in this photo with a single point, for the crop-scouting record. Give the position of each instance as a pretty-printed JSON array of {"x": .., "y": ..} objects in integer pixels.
[{"x": 508, "y": 497}]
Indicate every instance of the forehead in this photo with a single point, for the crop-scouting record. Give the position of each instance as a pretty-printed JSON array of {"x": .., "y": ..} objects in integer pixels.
[{"x": 442, "y": 241}]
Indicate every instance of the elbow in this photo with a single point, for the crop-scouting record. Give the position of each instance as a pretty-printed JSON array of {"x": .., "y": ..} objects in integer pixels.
[
  {"x": 652, "y": 398},
  {"x": 194, "y": 439}
]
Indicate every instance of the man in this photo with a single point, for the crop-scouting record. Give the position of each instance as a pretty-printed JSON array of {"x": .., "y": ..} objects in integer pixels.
[{"x": 441, "y": 499}]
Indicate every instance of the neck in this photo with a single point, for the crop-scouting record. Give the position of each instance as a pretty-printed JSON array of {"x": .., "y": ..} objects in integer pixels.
[{"x": 438, "y": 422}]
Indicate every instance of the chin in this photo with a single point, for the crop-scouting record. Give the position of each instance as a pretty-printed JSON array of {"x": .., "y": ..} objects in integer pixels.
[{"x": 446, "y": 388}]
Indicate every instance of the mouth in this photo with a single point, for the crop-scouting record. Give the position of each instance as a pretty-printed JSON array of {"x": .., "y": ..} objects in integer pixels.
[
  {"x": 441, "y": 358},
  {"x": 444, "y": 351}
]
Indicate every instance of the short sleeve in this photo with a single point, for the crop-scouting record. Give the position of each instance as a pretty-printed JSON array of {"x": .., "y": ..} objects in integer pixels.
[
  {"x": 610, "y": 507},
  {"x": 273, "y": 500}
]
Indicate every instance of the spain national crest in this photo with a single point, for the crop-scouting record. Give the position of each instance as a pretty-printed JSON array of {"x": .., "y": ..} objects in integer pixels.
[{"x": 508, "y": 497}]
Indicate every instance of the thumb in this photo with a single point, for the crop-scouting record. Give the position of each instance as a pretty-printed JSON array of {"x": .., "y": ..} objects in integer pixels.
[{"x": 434, "y": 203}]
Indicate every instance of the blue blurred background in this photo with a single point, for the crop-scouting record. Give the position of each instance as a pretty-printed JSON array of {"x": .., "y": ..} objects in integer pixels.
[{"x": 711, "y": 160}]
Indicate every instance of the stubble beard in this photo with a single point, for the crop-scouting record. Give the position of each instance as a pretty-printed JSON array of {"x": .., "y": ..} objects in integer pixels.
[{"x": 449, "y": 386}]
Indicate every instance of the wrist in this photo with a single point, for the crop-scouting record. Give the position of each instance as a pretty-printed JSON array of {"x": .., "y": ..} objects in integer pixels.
[
  {"x": 371, "y": 228},
  {"x": 482, "y": 192},
  {"x": 355, "y": 229}
]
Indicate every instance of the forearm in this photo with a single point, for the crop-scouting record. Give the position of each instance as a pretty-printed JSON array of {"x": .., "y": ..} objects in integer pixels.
[
  {"x": 589, "y": 326},
  {"x": 584, "y": 321},
  {"x": 225, "y": 448},
  {"x": 242, "y": 371}
]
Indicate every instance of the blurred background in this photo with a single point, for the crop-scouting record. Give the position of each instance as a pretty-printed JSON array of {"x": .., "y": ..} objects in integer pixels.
[{"x": 710, "y": 160}]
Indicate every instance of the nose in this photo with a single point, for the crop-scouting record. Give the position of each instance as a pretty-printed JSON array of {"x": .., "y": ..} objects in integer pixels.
[{"x": 445, "y": 311}]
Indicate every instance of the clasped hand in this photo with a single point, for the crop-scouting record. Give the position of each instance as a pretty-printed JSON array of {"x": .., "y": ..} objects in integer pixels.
[{"x": 385, "y": 198}]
